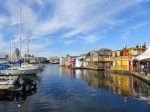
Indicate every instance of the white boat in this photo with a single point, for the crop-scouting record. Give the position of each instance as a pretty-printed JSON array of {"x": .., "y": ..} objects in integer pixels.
[
  {"x": 24, "y": 69},
  {"x": 30, "y": 69},
  {"x": 8, "y": 80}
]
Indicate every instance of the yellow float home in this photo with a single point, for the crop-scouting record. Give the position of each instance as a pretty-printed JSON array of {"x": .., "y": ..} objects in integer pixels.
[{"x": 122, "y": 58}]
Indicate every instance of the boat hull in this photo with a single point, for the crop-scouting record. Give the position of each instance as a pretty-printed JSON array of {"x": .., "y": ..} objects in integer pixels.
[
  {"x": 8, "y": 80},
  {"x": 19, "y": 72}
]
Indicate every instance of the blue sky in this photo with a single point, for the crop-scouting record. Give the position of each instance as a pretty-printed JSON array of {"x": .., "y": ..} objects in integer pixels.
[{"x": 60, "y": 27}]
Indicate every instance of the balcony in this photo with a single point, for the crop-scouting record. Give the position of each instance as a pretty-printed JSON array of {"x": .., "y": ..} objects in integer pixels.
[
  {"x": 108, "y": 59},
  {"x": 122, "y": 58}
]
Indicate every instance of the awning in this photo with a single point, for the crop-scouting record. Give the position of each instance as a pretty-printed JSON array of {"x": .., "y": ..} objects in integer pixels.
[{"x": 144, "y": 56}]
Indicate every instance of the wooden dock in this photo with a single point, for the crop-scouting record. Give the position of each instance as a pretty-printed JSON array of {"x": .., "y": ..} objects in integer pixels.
[{"x": 142, "y": 76}]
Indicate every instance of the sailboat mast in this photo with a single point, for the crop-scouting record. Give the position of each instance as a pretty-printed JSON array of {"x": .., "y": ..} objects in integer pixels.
[
  {"x": 26, "y": 47},
  {"x": 20, "y": 30},
  {"x": 10, "y": 51},
  {"x": 28, "y": 40}
]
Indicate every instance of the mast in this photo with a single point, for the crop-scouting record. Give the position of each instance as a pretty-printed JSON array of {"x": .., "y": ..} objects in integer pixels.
[
  {"x": 28, "y": 40},
  {"x": 11, "y": 50},
  {"x": 27, "y": 47},
  {"x": 20, "y": 30}
]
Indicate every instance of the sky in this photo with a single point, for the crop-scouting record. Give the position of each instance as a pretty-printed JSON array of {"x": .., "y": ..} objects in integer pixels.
[{"x": 60, "y": 27}]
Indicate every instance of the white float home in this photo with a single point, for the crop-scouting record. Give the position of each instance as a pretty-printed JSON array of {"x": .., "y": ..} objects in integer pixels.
[{"x": 79, "y": 63}]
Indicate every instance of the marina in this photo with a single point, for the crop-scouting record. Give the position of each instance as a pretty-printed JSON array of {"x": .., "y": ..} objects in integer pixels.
[
  {"x": 62, "y": 89},
  {"x": 74, "y": 56}
]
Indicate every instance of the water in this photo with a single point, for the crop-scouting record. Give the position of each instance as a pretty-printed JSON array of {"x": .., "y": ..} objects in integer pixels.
[{"x": 64, "y": 90}]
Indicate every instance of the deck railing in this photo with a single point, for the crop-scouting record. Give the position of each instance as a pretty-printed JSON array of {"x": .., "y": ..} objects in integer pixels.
[{"x": 126, "y": 68}]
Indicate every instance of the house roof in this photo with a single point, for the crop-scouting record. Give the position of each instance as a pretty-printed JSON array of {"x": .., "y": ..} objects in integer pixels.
[
  {"x": 102, "y": 53},
  {"x": 105, "y": 49}
]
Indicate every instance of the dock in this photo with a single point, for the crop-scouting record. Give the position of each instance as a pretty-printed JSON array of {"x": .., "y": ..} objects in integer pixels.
[{"x": 142, "y": 76}]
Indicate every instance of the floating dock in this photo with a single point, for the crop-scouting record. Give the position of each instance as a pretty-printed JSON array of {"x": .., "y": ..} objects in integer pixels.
[{"x": 142, "y": 76}]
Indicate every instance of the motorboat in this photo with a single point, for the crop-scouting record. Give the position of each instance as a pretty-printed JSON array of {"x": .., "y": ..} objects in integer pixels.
[
  {"x": 17, "y": 83},
  {"x": 8, "y": 80}
]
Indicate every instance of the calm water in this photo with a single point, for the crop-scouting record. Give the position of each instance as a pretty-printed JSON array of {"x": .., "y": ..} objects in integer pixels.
[{"x": 64, "y": 90}]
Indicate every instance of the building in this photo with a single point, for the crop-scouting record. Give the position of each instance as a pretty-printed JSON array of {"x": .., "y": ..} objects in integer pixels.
[
  {"x": 142, "y": 62},
  {"x": 4, "y": 60},
  {"x": 62, "y": 61},
  {"x": 70, "y": 61},
  {"x": 54, "y": 60},
  {"x": 34, "y": 60},
  {"x": 79, "y": 62},
  {"x": 96, "y": 59},
  {"x": 122, "y": 59}
]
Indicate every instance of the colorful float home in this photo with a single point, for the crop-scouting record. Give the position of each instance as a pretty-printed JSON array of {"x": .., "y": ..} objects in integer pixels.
[
  {"x": 122, "y": 59},
  {"x": 79, "y": 62},
  {"x": 96, "y": 59},
  {"x": 70, "y": 61},
  {"x": 142, "y": 63}
]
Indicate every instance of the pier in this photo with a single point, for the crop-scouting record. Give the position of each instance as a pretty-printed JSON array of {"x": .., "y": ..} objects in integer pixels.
[{"x": 142, "y": 77}]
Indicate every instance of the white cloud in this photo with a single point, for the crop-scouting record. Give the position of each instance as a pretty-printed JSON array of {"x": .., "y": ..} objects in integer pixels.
[
  {"x": 73, "y": 16},
  {"x": 3, "y": 20},
  {"x": 46, "y": 27},
  {"x": 91, "y": 39},
  {"x": 76, "y": 15},
  {"x": 28, "y": 16},
  {"x": 85, "y": 15}
]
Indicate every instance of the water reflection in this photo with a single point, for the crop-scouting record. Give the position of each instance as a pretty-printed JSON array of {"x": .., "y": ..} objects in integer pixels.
[
  {"x": 65, "y": 90},
  {"x": 141, "y": 90},
  {"x": 118, "y": 83},
  {"x": 12, "y": 96}
]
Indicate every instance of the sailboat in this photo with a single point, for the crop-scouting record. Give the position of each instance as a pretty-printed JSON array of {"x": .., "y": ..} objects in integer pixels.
[
  {"x": 24, "y": 68},
  {"x": 20, "y": 70}
]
